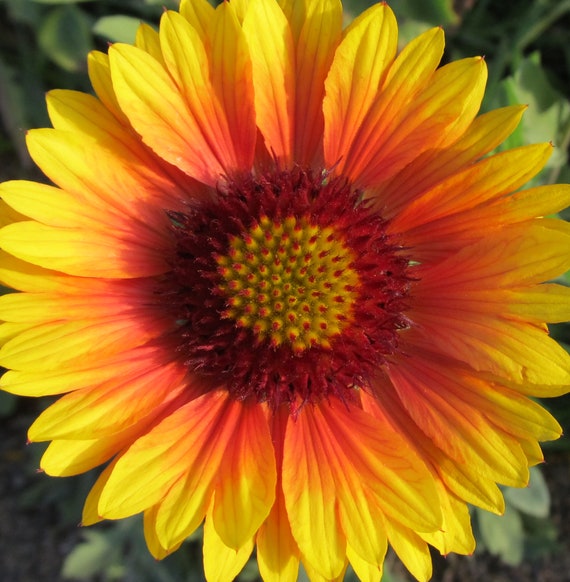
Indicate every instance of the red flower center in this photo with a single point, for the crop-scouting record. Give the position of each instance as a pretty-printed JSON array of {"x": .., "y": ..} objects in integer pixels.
[{"x": 286, "y": 288}]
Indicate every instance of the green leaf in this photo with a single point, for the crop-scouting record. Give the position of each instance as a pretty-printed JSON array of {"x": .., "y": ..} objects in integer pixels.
[
  {"x": 89, "y": 558},
  {"x": 534, "y": 499},
  {"x": 65, "y": 36},
  {"x": 118, "y": 28},
  {"x": 503, "y": 535},
  {"x": 547, "y": 117}
]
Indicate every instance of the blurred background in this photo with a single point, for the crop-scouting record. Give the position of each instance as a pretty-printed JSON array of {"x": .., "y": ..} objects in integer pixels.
[{"x": 43, "y": 45}]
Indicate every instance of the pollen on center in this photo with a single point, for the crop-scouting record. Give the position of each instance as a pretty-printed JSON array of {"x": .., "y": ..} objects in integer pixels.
[{"x": 289, "y": 281}]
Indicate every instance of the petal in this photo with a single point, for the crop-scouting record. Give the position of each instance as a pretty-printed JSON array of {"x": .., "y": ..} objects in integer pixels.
[
  {"x": 191, "y": 439},
  {"x": 455, "y": 321},
  {"x": 24, "y": 276},
  {"x": 86, "y": 116},
  {"x": 91, "y": 513},
  {"x": 83, "y": 375},
  {"x": 366, "y": 572},
  {"x": 222, "y": 563},
  {"x": 491, "y": 178},
  {"x": 436, "y": 117},
  {"x": 100, "y": 77},
  {"x": 537, "y": 201},
  {"x": 148, "y": 40},
  {"x": 272, "y": 55},
  {"x": 199, "y": 13},
  {"x": 460, "y": 478},
  {"x": 71, "y": 457},
  {"x": 64, "y": 458},
  {"x": 110, "y": 407},
  {"x": 232, "y": 81},
  {"x": 478, "y": 222},
  {"x": 55, "y": 344},
  {"x": 152, "y": 541},
  {"x": 550, "y": 303},
  {"x": 109, "y": 179},
  {"x": 411, "y": 549},
  {"x": 310, "y": 496},
  {"x": 159, "y": 113},
  {"x": 316, "y": 41},
  {"x": 93, "y": 299},
  {"x": 360, "y": 64},
  {"x": 245, "y": 491},
  {"x": 455, "y": 535},
  {"x": 205, "y": 100},
  {"x": 372, "y": 476},
  {"x": 406, "y": 78},
  {"x": 522, "y": 254},
  {"x": 277, "y": 552},
  {"x": 51, "y": 206},
  {"x": 453, "y": 423},
  {"x": 433, "y": 166}
]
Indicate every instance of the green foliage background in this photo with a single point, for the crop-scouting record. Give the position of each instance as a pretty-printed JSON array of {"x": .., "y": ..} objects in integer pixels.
[{"x": 43, "y": 45}]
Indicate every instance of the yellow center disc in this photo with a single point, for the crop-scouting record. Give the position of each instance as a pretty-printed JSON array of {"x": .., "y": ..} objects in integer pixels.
[{"x": 290, "y": 281}]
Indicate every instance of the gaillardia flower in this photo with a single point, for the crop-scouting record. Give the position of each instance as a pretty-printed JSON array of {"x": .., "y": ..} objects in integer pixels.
[{"x": 285, "y": 290}]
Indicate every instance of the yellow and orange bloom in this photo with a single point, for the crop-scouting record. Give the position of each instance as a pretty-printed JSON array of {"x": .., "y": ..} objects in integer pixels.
[{"x": 285, "y": 290}]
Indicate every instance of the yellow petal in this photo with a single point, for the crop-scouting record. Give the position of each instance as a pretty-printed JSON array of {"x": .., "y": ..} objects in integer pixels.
[
  {"x": 360, "y": 63},
  {"x": 492, "y": 178},
  {"x": 183, "y": 507},
  {"x": 462, "y": 479},
  {"x": 319, "y": 471},
  {"x": 151, "y": 538},
  {"x": 148, "y": 40},
  {"x": 232, "y": 82},
  {"x": 53, "y": 206},
  {"x": 82, "y": 375},
  {"x": 538, "y": 201},
  {"x": 90, "y": 509},
  {"x": 406, "y": 78},
  {"x": 365, "y": 571},
  {"x": 455, "y": 534},
  {"x": 521, "y": 254},
  {"x": 111, "y": 407},
  {"x": 245, "y": 491},
  {"x": 436, "y": 117},
  {"x": 55, "y": 344},
  {"x": 84, "y": 300},
  {"x": 8, "y": 215},
  {"x": 111, "y": 175},
  {"x": 71, "y": 457},
  {"x": 485, "y": 133},
  {"x": 550, "y": 303},
  {"x": 453, "y": 422},
  {"x": 277, "y": 552},
  {"x": 411, "y": 549},
  {"x": 100, "y": 77},
  {"x": 160, "y": 114},
  {"x": 310, "y": 497},
  {"x": 272, "y": 55},
  {"x": 315, "y": 45},
  {"x": 222, "y": 563},
  {"x": 187, "y": 63},
  {"x": 182, "y": 441},
  {"x": 199, "y": 13},
  {"x": 81, "y": 252}
]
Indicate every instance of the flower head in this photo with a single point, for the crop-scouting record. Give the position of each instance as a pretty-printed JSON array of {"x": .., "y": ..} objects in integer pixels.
[{"x": 285, "y": 289}]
